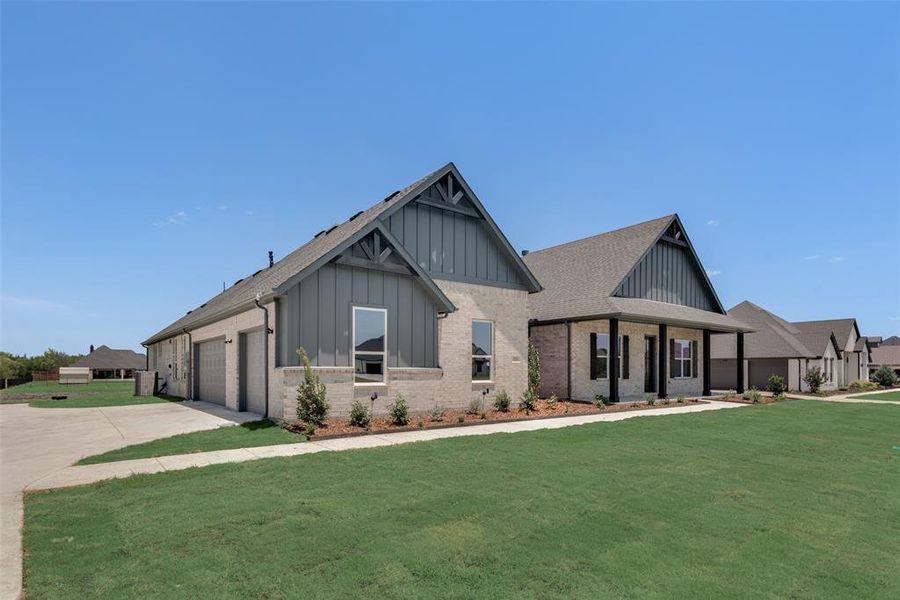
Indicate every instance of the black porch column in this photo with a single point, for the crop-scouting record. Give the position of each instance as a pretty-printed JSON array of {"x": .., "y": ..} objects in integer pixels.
[
  {"x": 706, "y": 363},
  {"x": 740, "y": 362},
  {"x": 613, "y": 360},
  {"x": 663, "y": 347}
]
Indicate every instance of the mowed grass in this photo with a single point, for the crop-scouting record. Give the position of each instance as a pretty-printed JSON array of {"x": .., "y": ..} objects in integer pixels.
[
  {"x": 797, "y": 499},
  {"x": 893, "y": 396},
  {"x": 84, "y": 395},
  {"x": 247, "y": 435}
]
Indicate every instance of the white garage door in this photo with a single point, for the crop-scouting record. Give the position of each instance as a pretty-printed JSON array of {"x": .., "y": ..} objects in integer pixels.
[
  {"x": 211, "y": 371},
  {"x": 252, "y": 374}
]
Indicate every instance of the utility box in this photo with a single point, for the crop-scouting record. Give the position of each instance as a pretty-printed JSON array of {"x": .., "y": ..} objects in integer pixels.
[
  {"x": 69, "y": 375},
  {"x": 145, "y": 383}
]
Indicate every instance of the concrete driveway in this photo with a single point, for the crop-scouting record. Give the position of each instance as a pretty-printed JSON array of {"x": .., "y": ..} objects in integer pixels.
[{"x": 36, "y": 442}]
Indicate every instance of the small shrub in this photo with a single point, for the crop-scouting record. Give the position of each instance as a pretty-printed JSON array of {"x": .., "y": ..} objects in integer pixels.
[
  {"x": 534, "y": 368},
  {"x": 312, "y": 405},
  {"x": 483, "y": 416},
  {"x": 460, "y": 419},
  {"x": 310, "y": 430},
  {"x": 399, "y": 411},
  {"x": 814, "y": 378},
  {"x": 601, "y": 401},
  {"x": 552, "y": 401},
  {"x": 884, "y": 376},
  {"x": 437, "y": 415},
  {"x": 474, "y": 407},
  {"x": 776, "y": 385},
  {"x": 528, "y": 403},
  {"x": 730, "y": 394},
  {"x": 752, "y": 395},
  {"x": 861, "y": 385},
  {"x": 680, "y": 399},
  {"x": 359, "y": 414},
  {"x": 501, "y": 402},
  {"x": 420, "y": 424}
]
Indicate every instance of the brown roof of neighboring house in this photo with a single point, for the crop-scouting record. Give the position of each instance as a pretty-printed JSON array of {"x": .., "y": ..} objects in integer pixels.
[
  {"x": 266, "y": 282},
  {"x": 886, "y": 355},
  {"x": 579, "y": 278},
  {"x": 774, "y": 337},
  {"x": 105, "y": 357},
  {"x": 842, "y": 328}
]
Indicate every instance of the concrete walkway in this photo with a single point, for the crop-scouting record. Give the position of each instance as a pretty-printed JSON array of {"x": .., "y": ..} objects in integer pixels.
[
  {"x": 848, "y": 397},
  {"x": 37, "y": 442},
  {"x": 81, "y": 475}
]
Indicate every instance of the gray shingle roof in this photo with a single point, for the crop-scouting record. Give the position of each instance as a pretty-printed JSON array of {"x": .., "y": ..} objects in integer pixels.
[
  {"x": 580, "y": 277},
  {"x": 842, "y": 328},
  {"x": 774, "y": 337},
  {"x": 105, "y": 357},
  {"x": 886, "y": 355},
  {"x": 264, "y": 282}
]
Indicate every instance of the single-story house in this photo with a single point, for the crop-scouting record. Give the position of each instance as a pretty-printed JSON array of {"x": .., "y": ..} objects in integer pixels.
[
  {"x": 885, "y": 355},
  {"x": 109, "y": 363},
  {"x": 624, "y": 314},
  {"x": 780, "y": 347},
  {"x": 874, "y": 341},
  {"x": 420, "y": 295}
]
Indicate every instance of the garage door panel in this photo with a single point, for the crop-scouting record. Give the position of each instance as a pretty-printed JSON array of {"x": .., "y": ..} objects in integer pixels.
[
  {"x": 762, "y": 369},
  {"x": 252, "y": 371},
  {"x": 211, "y": 371}
]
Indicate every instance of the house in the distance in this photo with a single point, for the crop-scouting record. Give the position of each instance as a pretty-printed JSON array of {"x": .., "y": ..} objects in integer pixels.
[
  {"x": 789, "y": 350},
  {"x": 625, "y": 314},
  {"x": 885, "y": 355},
  {"x": 421, "y": 294},
  {"x": 109, "y": 363}
]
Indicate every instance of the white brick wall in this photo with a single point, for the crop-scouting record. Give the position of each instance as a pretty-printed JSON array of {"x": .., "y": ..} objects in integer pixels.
[{"x": 551, "y": 343}]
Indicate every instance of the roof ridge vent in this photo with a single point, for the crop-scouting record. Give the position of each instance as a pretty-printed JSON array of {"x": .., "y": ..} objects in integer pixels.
[
  {"x": 391, "y": 196},
  {"x": 330, "y": 229}
]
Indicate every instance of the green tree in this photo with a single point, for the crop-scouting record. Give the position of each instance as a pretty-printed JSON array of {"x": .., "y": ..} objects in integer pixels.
[{"x": 11, "y": 366}]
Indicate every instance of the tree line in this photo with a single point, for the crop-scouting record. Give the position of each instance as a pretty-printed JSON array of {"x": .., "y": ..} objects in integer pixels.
[{"x": 21, "y": 365}]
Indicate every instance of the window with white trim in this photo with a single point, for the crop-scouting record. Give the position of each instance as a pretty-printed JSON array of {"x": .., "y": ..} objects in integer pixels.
[
  {"x": 601, "y": 356},
  {"x": 682, "y": 359},
  {"x": 482, "y": 350},
  {"x": 369, "y": 345}
]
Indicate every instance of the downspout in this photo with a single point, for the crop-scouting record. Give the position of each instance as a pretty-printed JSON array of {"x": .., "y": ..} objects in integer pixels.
[
  {"x": 190, "y": 369},
  {"x": 265, "y": 349}
]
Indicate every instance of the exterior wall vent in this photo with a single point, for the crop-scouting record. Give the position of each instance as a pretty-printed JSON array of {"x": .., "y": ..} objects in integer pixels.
[{"x": 354, "y": 216}]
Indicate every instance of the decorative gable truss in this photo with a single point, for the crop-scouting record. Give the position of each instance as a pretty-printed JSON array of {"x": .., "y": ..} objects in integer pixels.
[
  {"x": 670, "y": 271},
  {"x": 376, "y": 253},
  {"x": 447, "y": 193}
]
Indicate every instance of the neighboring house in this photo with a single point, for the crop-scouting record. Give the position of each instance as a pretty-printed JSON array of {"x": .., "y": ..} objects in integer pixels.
[
  {"x": 891, "y": 341},
  {"x": 420, "y": 295},
  {"x": 779, "y": 347},
  {"x": 109, "y": 363},
  {"x": 625, "y": 314},
  {"x": 885, "y": 355},
  {"x": 855, "y": 352},
  {"x": 874, "y": 341}
]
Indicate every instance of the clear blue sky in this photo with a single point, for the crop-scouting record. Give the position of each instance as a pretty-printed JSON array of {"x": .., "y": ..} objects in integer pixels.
[{"x": 152, "y": 151}]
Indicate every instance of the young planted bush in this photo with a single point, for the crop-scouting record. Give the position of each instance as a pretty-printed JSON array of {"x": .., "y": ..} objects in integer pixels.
[
  {"x": 474, "y": 407},
  {"x": 528, "y": 403},
  {"x": 680, "y": 399},
  {"x": 884, "y": 376},
  {"x": 399, "y": 411},
  {"x": 860, "y": 385},
  {"x": 359, "y": 414},
  {"x": 534, "y": 368},
  {"x": 776, "y": 385},
  {"x": 651, "y": 399},
  {"x": 437, "y": 415},
  {"x": 815, "y": 379},
  {"x": 312, "y": 405},
  {"x": 552, "y": 401},
  {"x": 501, "y": 402},
  {"x": 601, "y": 401}
]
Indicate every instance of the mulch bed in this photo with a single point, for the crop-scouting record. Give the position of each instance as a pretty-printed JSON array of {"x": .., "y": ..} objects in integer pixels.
[{"x": 458, "y": 418}]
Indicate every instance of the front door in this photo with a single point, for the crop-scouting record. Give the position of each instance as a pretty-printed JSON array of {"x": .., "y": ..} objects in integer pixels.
[{"x": 649, "y": 364}]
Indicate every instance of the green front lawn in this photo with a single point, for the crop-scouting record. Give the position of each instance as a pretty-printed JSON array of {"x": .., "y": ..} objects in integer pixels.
[
  {"x": 895, "y": 395},
  {"x": 248, "y": 435},
  {"x": 796, "y": 499},
  {"x": 84, "y": 395}
]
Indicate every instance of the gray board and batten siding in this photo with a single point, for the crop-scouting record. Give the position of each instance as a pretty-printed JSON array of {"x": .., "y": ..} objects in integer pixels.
[
  {"x": 454, "y": 243},
  {"x": 669, "y": 273}
]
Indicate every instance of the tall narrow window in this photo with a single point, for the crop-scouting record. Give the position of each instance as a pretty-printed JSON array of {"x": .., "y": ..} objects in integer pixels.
[
  {"x": 682, "y": 359},
  {"x": 482, "y": 350},
  {"x": 600, "y": 357},
  {"x": 369, "y": 343}
]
